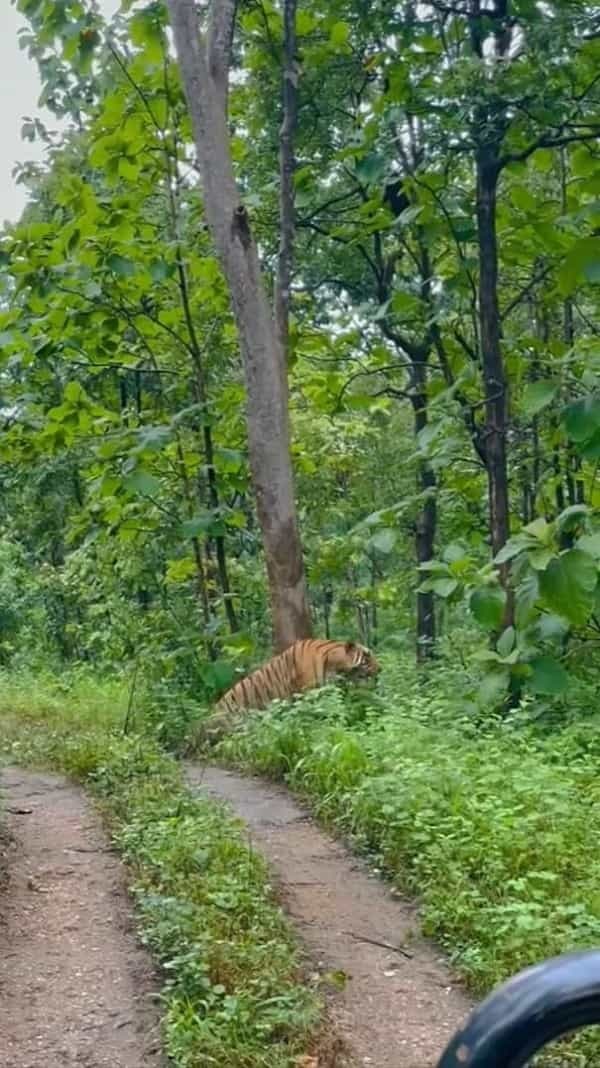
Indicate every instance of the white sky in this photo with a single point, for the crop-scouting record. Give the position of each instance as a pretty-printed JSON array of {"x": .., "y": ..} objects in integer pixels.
[{"x": 19, "y": 91}]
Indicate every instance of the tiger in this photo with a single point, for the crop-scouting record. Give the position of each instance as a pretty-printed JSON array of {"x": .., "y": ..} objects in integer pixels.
[{"x": 304, "y": 665}]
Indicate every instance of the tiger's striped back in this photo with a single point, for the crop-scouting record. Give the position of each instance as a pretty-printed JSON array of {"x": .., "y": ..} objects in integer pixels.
[
  {"x": 269, "y": 682},
  {"x": 304, "y": 665}
]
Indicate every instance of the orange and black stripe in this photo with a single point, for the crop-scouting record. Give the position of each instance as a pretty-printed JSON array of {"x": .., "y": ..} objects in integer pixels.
[{"x": 304, "y": 665}]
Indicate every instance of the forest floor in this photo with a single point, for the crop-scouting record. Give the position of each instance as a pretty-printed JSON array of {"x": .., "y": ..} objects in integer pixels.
[
  {"x": 76, "y": 989},
  {"x": 400, "y": 1004}
]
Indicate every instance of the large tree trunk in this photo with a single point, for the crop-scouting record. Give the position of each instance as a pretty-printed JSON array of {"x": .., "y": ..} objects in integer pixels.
[{"x": 204, "y": 67}]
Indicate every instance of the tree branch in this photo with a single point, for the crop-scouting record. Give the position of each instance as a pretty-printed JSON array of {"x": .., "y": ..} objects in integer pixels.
[
  {"x": 548, "y": 142},
  {"x": 526, "y": 290}
]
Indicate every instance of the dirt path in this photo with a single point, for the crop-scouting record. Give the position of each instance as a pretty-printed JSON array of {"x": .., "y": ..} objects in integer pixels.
[
  {"x": 75, "y": 987},
  {"x": 394, "y": 1012}
]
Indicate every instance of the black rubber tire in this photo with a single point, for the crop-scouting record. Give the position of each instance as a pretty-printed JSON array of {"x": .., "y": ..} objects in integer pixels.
[{"x": 537, "y": 1006}]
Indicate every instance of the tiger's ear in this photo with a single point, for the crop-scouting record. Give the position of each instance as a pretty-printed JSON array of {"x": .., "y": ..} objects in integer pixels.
[{"x": 350, "y": 647}]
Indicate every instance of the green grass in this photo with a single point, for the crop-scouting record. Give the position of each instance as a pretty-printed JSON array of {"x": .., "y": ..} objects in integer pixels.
[
  {"x": 493, "y": 826},
  {"x": 232, "y": 994}
]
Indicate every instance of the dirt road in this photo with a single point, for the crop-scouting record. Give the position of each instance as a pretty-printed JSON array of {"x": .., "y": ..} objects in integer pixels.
[
  {"x": 76, "y": 989},
  {"x": 396, "y": 1010}
]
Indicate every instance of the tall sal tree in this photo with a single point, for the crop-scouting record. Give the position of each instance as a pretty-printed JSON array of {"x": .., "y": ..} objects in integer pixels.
[{"x": 204, "y": 59}]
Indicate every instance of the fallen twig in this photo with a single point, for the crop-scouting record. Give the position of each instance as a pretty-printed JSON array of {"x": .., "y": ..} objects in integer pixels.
[{"x": 382, "y": 945}]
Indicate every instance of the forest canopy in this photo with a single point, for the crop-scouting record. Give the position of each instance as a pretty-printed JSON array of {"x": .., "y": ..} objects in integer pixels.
[{"x": 421, "y": 184}]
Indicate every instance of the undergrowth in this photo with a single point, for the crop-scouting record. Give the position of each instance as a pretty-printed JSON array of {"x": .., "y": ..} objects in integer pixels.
[
  {"x": 492, "y": 824},
  {"x": 232, "y": 994}
]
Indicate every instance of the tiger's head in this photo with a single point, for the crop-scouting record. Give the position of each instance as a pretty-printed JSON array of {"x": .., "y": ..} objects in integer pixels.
[{"x": 362, "y": 662}]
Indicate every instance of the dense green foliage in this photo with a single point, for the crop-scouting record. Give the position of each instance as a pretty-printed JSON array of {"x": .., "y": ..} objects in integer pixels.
[
  {"x": 127, "y": 521},
  {"x": 492, "y": 826},
  {"x": 445, "y": 409},
  {"x": 231, "y": 990}
]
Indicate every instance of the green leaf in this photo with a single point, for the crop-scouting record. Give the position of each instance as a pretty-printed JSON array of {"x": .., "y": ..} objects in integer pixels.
[
  {"x": 229, "y": 460},
  {"x": 568, "y": 583},
  {"x": 339, "y": 34},
  {"x": 180, "y": 570},
  {"x": 383, "y": 541},
  {"x": 538, "y": 395},
  {"x": 443, "y": 587},
  {"x": 488, "y": 605},
  {"x": 590, "y": 450},
  {"x": 120, "y": 265},
  {"x": 305, "y": 23},
  {"x": 454, "y": 552},
  {"x": 581, "y": 263},
  {"x": 526, "y": 597},
  {"x": 513, "y": 547},
  {"x": 370, "y": 167},
  {"x": 129, "y": 171},
  {"x": 570, "y": 517},
  {"x": 404, "y": 303},
  {"x": 540, "y": 558},
  {"x": 159, "y": 270},
  {"x": 547, "y": 676},
  {"x": 198, "y": 524},
  {"x": 539, "y": 529},
  {"x": 146, "y": 34},
  {"x": 74, "y": 393},
  {"x": 506, "y": 642},
  {"x": 590, "y": 543},
  {"x": 582, "y": 418},
  {"x": 522, "y": 198},
  {"x": 141, "y": 481}
]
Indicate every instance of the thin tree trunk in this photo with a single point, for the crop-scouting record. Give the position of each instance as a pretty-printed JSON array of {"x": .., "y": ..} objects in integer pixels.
[
  {"x": 204, "y": 67},
  {"x": 559, "y": 490},
  {"x": 202, "y": 398},
  {"x": 287, "y": 166},
  {"x": 203, "y": 597},
  {"x": 575, "y": 484},
  {"x": 213, "y": 492},
  {"x": 222, "y": 570},
  {"x": 425, "y": 526},
  {"x": 576, "y": 488},
  {"x": 493, "y": 366},
  {"x": 374, "y": 613},
  {"x": 327, "y": 603},
  {"x": 201, "y": 583}
]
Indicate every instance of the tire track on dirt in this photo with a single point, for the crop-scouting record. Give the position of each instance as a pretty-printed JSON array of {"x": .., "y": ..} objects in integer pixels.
[
  {"x": 76, "y": 989},
  {"x": 395, "y": 1011}
]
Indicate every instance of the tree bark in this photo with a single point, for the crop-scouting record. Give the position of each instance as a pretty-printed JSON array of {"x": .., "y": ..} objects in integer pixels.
[
  {"x": 575, "y": 487},
  {"x": 496, "y": 408},
  {"x": 425, "y": 526},
  {"x": 213, "y": 493},
  {"x": 201, "y": 583},
  {"x": 204, "y": 64},
  {"x": 287, "y": 166}
]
